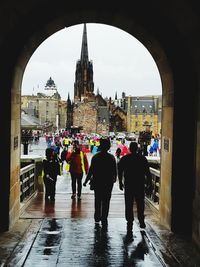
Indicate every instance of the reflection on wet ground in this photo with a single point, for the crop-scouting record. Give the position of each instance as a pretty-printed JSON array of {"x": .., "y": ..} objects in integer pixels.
[
  {"x": 80, "y": 242},
  {"x": 63, "y": 233}
]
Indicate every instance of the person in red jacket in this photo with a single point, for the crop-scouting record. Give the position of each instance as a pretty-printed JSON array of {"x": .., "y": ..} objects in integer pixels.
[{"x": 78, "y": 166}]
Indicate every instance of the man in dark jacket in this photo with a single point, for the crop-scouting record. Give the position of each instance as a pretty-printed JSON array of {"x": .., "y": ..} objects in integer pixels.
[
  {"x": 103, "y": 172},
  {"x": 133, "y": 173}
]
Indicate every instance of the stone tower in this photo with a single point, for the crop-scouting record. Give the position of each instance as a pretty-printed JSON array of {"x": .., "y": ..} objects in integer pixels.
[{"x": 84, "y": 85}]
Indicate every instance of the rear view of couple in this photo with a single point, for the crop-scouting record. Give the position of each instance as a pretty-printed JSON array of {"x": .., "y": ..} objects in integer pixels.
[{"x": 133, "y": 172}]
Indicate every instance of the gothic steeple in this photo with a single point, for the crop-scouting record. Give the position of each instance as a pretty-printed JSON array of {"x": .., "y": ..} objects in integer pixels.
[
  {"x": 69, "y": 121},
  {"x": 68, "y": 98},
  {"x": 84, "y": 49},
  {"x": 84, "y": 85}
]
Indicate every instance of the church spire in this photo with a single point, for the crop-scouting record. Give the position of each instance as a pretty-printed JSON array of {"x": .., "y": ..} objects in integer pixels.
[
  {"x": 84, "y": 85},
  {"x": 84, "y": 49},
  {"x": 68, "y": 98}
]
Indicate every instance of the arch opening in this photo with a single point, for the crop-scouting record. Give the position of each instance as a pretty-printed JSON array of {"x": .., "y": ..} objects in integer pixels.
[{"x": 167, "y": 108}]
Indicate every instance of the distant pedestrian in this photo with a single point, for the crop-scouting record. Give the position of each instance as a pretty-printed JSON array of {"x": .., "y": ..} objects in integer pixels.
[
  {"x": 133, "y": 174},
  {"x": 118, "y": 154},
  {"x": 66, "y": 141},
  {"x": 56, "y": 147},
  {"x": 49, "y": 141},
  {"x": 94, "y": 150},
  {"x": 150, "y": 150},
  {"x": 51, "y": 167},
  {"x": 103, "y": 172},
  {"x": 63, "y": 155},
  {"x": 78, "y": 166},
  {"x": 155, "y": 147}
]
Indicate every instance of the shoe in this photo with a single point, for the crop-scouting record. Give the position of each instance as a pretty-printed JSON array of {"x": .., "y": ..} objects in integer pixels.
[
  {"x": 79, "y": 198},
  {"x": 73, "y": 196}
]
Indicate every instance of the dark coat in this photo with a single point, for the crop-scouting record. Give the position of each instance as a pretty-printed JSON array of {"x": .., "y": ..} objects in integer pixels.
[
  {"x": 134, "y": 168},
  {"x": 103, "y": 170},
  {"x": 52, "y": 168}
]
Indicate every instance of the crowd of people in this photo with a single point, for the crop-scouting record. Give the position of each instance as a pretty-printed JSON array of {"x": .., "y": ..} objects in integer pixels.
[{"x": 129, "y": 166}]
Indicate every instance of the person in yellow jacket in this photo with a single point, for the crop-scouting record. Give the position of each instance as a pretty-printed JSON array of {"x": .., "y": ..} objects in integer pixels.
[
  {"x": 78, "y": 165},
  {"x": 66, "y": 142}
]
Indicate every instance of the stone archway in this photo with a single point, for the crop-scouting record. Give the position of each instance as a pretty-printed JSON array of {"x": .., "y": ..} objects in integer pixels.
[
  {"x": 167, "y": 112},
  {"x": 143, "y": 26}
]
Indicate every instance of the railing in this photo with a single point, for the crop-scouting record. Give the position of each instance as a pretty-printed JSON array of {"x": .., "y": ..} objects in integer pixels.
[
  {"x": 154, "y": 196},
  {"x": 27, "y": 182}
]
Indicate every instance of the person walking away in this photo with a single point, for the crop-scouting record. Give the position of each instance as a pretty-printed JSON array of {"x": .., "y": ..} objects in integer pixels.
[
  {"x": 57, "y": 147},
  {"x": 51, "y": 168},
  {"x": 151, "y": 150},
  {"x": 63, "y": 156},
  {"x": 103, "y": 173},
  {"x": 94, "y": 150},
  {"x": 118, "y": 154},
  {"x": 78, "y": 166},
  {"x": 133, "y": 174}
]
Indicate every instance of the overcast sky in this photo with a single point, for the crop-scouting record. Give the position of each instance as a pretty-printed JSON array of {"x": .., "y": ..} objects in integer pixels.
[{"x": 120, "y": 63}]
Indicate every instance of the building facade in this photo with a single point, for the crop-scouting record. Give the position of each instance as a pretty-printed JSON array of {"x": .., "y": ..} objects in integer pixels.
[
  {"x": 47, "y": 107},
  {"x": 143, "y": 113},
  {"x": 136, "y": 113}
]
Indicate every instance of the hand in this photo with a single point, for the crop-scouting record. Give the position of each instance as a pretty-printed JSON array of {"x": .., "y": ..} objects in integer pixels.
[{"x": 84, "y": 184}]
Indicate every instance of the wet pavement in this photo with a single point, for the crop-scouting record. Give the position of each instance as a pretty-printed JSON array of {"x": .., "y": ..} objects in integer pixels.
[
  {"x": 63, "y": 233},
  {"x": 78, "y": 242}
]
